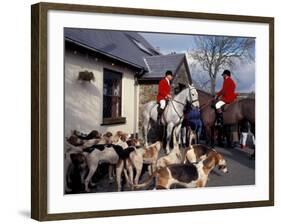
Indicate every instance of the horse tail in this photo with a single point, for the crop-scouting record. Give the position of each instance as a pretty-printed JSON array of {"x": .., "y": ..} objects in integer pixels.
[
  {"x": 146, "y": 116},
  {"x": 173, "y": 142}
]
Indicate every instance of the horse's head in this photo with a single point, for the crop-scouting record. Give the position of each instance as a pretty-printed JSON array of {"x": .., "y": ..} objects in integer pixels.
[{"x": 193, "y": 96}]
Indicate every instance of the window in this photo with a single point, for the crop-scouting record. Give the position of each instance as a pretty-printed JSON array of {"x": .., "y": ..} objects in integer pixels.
[{"x": 112, "y": 97}]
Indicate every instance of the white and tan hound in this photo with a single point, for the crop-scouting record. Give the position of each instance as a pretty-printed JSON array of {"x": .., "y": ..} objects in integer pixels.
[{"x": 186, "y": 175}]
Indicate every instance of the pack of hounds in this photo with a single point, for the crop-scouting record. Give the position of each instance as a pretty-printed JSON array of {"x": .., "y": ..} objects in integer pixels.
[{"x": 126, "y": 158}]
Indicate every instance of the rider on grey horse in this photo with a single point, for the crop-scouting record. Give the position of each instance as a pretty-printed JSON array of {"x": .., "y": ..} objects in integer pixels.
[
  {"x": 172, "y": 116},
  {"x": 164, "y": 89}
]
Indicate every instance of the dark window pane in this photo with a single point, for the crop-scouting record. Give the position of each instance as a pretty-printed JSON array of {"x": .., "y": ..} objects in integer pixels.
[{"x": 112, "y": 94}]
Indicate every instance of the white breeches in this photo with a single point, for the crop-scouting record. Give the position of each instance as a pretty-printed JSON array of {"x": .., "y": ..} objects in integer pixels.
[
  {"x": 219, "y": 104},
  {"x": 243, "y": 138},
  {"x": 162, "y": 104}
]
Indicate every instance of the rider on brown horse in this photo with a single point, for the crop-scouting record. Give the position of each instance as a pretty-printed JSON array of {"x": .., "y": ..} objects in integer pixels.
[
  {"x": 225, "y": 96},
  {"x": 164, "y": 89}
]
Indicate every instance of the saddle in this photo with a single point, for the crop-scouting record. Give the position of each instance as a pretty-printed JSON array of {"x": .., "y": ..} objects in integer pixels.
[
  {"x": 225, "y": 107},
  {"x": 228, "y": 105},
  {"x": 158, "y": 106}
]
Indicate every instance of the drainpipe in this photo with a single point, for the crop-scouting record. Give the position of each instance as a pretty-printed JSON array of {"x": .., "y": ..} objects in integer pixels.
[
  {"x": 136, "y": 102},
  {"x": 136, "y": 109}
]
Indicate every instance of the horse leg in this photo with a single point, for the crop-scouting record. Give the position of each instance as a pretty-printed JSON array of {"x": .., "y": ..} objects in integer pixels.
[
  {"x": 147, "y": 126},
  {"x": 168, "y": 137},
  {"x": 210, "y": 135},
  {"x": 183, "y": 136},
  {"x": 177, "y": 132},
  {"x": 199, "y": 131},
  {"x": 145, "y": 131},
  {"x": 220, "y": 136}
]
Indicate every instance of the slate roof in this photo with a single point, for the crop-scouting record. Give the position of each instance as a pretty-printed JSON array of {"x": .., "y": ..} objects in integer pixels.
[
  {"x": 128, "y": 47},
  {"x": 158, "y": 65}
]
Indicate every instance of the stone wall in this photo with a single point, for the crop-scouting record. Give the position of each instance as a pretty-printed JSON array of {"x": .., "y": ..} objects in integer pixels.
[
  {"x": 180, "y": 78},
  {"x": 147, "y": 92}
]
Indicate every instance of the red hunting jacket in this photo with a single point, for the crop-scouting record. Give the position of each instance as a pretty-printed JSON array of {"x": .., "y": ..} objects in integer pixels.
[
  {"x": 228, "y": 91},
  {"x": 163, "y": 89}
]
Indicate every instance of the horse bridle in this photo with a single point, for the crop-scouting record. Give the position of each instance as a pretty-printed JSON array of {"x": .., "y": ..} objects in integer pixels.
[{"x": 193, "y": 101}]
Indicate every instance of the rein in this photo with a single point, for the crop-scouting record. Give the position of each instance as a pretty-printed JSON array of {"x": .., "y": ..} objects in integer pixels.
[
  {"x": 180, "y": 116},
  {"x": 178, "y": 102},
  {"x": 206, "y": 104}
]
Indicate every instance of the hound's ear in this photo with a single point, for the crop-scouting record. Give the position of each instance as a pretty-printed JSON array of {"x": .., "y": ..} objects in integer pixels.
[
  {"x": 119, "y": 133},
  {"x": 218, "y": 157},
  {"x": 123, "y": 137}
]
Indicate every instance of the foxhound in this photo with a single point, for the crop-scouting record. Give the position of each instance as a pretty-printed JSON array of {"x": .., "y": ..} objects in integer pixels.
[
  {"x": 174, "y": 157},
  {"x": 195, "y": 153},
  {"x": 186, "y": 175},
  {"x": 112, "y": 154},
  {"x": 140, "y": 156}
]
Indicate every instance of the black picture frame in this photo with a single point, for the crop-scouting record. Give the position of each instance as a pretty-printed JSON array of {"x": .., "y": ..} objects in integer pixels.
[{"x": 39, "y": 108}]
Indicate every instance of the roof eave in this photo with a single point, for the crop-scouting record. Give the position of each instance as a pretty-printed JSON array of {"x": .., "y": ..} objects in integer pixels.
[{"x": 106, "y": 54}]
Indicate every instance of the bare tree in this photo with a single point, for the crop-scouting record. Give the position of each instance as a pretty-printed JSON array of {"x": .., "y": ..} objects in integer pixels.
[
  {"x": 200, "y": 79},
  {"x": 215, "y": 53}
]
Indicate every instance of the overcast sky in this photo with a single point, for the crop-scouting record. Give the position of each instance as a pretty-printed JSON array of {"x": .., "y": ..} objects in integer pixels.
[{"x": 243, "y": 72}]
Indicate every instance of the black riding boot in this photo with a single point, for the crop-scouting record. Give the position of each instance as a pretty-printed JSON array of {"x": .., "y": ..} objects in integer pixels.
[
  {"x": 160, "y": 112},
  {"x": 219, "y": 120}
]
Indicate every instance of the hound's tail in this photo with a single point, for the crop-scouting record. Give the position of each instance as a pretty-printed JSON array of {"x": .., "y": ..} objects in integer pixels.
[{"x": 146, "y": 183}]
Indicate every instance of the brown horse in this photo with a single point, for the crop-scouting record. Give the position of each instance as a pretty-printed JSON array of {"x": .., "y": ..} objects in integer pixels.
[{"x": 236, "y": 112}]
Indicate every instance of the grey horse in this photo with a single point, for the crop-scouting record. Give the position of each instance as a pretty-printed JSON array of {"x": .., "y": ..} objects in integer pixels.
[{"x": 172, "y": 116}]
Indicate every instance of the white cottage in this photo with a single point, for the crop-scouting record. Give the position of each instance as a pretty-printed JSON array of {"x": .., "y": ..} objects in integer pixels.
[
  {"x": 110, "y": 101},
  {"x": 117, "y": 64}
]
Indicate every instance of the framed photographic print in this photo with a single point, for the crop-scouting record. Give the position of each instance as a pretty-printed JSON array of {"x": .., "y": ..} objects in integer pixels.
[{"x": 139, "y": 111}]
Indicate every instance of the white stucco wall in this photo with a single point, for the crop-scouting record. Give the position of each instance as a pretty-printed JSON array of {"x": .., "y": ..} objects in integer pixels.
[{"x": 84, "y": 100}]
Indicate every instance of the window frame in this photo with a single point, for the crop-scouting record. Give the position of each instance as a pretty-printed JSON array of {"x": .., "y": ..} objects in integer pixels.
[{"x": 111, "y": 120}]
